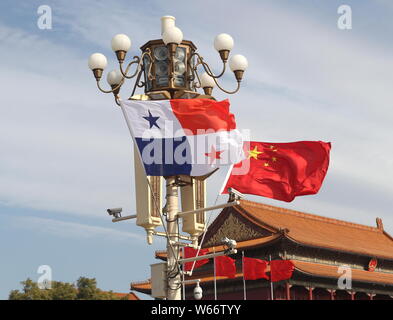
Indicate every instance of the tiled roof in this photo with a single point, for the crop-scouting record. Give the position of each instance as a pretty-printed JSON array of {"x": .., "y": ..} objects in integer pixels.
[
  {"x": 309, "y": 268},
  {"x": 320, "y": 231},
  {"x": 142, "y": 286},
  {"x": 131, "y": 295},
  {"x": 310, "y": 230},
  {"x": 329, "y": 271}
]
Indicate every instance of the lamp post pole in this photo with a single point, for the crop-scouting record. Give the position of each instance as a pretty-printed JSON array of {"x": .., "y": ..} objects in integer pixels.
[
  {"x": 165, "y": 81},
  {"x": 172, "y": 208}
]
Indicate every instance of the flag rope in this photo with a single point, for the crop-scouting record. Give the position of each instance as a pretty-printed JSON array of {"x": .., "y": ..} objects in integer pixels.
[
  {"x": 215, "y": 283},
  {"x": 204, "y": 233},
  {"x": 184, "y": 284},
  {"x": 244, "y": 280}
]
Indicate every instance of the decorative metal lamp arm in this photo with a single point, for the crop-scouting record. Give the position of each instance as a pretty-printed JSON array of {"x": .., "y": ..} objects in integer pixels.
[
  {"x": 207, "y": 69},
  {"x": 138, "y": 83},
  {"x": 139, "y": 61},
  {"x": 114, "y": 88},
  {"x": 206, "y": 66},
  {"x": 125, "y": 73},
  {"x": 226, "y": 91}
]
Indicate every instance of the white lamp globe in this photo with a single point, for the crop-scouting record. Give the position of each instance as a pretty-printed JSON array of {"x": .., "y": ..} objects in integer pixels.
[
  {"x": 172, "y": 35},
  {"x": 114, "y": 77},
  {"x": 238, "y": 63},
  {"x": 223, "y": 42},
  {"x": 121, "y": 42},
  {"x": 207, "y": 81},
  {"x": 97, "y": 61}
]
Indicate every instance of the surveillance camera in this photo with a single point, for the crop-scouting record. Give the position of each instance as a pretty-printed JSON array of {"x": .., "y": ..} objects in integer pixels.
[
  {"x": 198, "y": 292},
  {"x": 115, "y": 212},
  {"x": 231, "y": 244}
]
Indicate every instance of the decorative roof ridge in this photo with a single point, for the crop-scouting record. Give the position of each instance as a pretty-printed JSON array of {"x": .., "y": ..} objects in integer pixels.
[
  {"x": 387, "y": 235},
  {"x": 309, "y": 216},
  {"x": 135, "y": 283}
]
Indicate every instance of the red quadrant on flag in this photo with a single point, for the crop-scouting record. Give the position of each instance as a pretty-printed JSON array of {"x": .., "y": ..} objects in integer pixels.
[
  {"x": 281, "y": 171},
  {"x": 198, "y": 115}
]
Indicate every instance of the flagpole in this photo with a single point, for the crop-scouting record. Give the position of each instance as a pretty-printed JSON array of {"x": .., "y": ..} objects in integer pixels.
[
  {"x": 244, "y": 281},
  {"x": 215, "y": 284},
  {"x": 271, "y": 282},
  {"x": 184, "y": 284}
]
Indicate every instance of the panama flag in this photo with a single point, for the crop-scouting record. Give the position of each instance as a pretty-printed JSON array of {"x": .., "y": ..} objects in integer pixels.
[{"x": 183, "y": 136}]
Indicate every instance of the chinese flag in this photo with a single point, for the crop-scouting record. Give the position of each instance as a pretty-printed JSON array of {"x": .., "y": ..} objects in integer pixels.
[
  {"x": 191, "y": 253},
  {"x": 225, "y": 266},
  {"x": 280, "y": 171},
  {"x": 254, "y": 269},
  {"x": 281, "y": 270}
]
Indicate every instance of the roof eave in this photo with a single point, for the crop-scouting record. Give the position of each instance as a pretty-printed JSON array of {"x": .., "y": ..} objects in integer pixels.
[
  {"x": 335, "y": 278},
  {"x": 287, "y": 236}
]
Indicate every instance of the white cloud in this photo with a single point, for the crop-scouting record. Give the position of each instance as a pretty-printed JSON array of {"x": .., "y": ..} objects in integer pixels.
[
  {"x": 64, "y": 146},
  {"x": 73, "y": 230},
  {"x": 98, "y": 22}
]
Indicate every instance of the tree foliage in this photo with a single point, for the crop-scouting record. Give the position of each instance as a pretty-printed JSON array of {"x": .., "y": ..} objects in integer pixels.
[{"x": 85, "y": 289}]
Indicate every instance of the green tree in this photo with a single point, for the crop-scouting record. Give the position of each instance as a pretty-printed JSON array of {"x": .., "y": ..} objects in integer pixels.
[
  {"x": 30, "y": 291},
  {"x": 85, "y": 289},
  {"x": 63, "y": 291}
]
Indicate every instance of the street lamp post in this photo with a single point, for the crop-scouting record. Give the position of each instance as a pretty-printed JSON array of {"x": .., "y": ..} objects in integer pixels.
[
  {"x": 173, "y": 252},
  {"x": 168, "y": 68}
]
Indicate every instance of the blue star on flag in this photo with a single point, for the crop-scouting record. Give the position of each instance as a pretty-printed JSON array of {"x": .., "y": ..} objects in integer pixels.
[{"x": 152, "y": 120}]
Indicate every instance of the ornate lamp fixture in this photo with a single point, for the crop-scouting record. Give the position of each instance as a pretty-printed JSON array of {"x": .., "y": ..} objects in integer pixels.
[{"x": 169, "y": 66}]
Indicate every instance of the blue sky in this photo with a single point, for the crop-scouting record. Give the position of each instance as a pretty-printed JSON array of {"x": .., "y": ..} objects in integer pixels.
[{"x": 65, "y": 149}]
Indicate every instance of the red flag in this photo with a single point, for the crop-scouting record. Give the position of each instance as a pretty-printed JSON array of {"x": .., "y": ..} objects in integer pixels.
[
  {"x": 225, "y": 266},
  {"x": 280, "y": 171},
  {"x": 281, "y": 270},
  {"x": 191, "y": 253},
  {"x": 254, "y": 269}
]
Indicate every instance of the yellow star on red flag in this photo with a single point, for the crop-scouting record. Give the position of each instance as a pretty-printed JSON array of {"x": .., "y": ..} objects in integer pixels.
[{"x": 254, "y": 153}]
